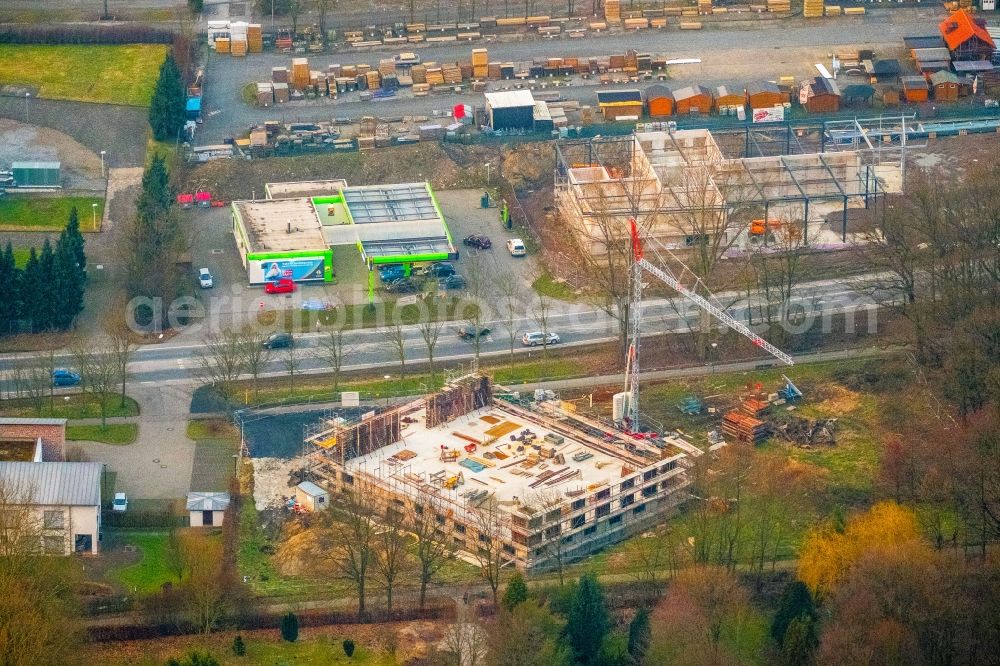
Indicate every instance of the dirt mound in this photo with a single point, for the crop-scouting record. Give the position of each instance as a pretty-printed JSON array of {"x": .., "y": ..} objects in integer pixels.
[
  {"x": 303, "y": 552},
  {"x": 837, "y": 400},
  {"x": 529, "y": 166}
]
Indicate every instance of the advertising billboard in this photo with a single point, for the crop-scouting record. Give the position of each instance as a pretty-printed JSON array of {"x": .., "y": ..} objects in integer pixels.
[
  {"x": 775, "y": 114},
  {"x": 299, "y": 269}
]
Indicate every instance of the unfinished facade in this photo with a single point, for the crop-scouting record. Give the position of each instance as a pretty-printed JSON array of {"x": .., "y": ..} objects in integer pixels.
[
  {"x": 540, "y": 484},
  {"x": 680, "y": 187}
]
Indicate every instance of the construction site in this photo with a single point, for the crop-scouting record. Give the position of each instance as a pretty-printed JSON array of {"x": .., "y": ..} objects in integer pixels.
[
  {"x": 681, "y": 187},
  {"x": 530, "y": 478}
]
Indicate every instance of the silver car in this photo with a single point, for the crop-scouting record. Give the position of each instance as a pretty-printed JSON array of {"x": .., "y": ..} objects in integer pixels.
[{"x": 536, "y": 338}]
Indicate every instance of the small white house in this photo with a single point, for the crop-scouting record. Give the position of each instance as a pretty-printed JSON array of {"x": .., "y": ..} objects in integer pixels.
[
  {"x": 207, "y": 509},
  {"x": 65, "y": 497},
  {"x": 311, "y": 497}
]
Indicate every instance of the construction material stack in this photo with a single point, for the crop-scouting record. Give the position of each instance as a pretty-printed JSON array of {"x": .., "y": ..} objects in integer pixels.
[
  {"x": 481, "y": 64},
  {"x": 743, "y": 428},
  {"x": 300, "y": 73},
  {"x": 452, "y": 74},
  {"x": 813, "y": 8},
  {"x": 613, "y": 11},
  {"x": 238, "y": 38},
  {"x": 222, "y": 45},
  {"x": 255, "y": 38}
]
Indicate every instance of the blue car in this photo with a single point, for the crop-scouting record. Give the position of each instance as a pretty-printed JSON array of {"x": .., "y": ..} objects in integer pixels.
[
  {"x": 64, "y": 377},
  {"x": 392, "y": 272}
]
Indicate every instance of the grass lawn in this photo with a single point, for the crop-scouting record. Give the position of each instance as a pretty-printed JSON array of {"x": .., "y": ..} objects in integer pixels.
[
  {"x": 123, "y": 74},
  {"x": 212, "y": 429},
  {"x": 546, "y": 285},
  {"x": 264, "y": 648},
  {"x": 150, "y": 572},
  {"x": 113, "y": 433},
  {"x": 213, "y": 464},
  {"x": 73, "y": 406},
  {"x": 45, "y": 213}
]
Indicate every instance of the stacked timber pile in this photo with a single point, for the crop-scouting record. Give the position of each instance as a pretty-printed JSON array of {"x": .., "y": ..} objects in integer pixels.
[
  {"x": 780, "y": 6},
  {"x": 300, "y": 73},
  {"x": 451, "y": 73},
  {"x": 435, "y": 76},
  {"x": 612, "y": 11},
  {"x": 755, "y": 407},
  {"x": 744, "y": 428},
  {"x": 481, "y": 64},
  {"x": 813, "y": 8},
  {"x": 387, "y": 67},
  {"x": 419, "y": 74},
  {"x": 255, "y": 38}
]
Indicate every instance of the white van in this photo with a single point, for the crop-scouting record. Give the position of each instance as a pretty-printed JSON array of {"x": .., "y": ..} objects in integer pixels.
[{"x": 516, "y": 247}]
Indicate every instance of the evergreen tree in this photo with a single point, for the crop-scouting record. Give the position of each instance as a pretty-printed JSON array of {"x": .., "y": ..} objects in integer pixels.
[
  {"x": 9, "y": 278},
  {"x": 639, "y": 634},
  {"x": 290, "y": 627},
  {"x": 796, "y": 601},
  {"x": 155, "y": 199},
  {"x": 166, "y": 108},
  {"x": 47, "y": 289},
  {"x": 588, "y": 621},
  {"x": 32, "y": 275},
  {"x": 73, "y": 236},
  {"x": 68, "y": 281},
  {"x": 516, "y": 592},
  {"x": 798, "y": 647}
]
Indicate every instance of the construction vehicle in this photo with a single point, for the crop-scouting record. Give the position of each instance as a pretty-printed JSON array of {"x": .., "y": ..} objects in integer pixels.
[
  {"x": 627, "y": 403},
  {"x": 453, "y": 482}
]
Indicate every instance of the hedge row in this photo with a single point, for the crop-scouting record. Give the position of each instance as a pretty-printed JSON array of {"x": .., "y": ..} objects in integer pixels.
[{"x": 83, "y": 33}]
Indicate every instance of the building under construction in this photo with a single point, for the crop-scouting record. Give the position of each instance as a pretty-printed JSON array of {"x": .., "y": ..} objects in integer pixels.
[
  {"x": 539, "y": 481},
  {"x": 681, "y": 188}
]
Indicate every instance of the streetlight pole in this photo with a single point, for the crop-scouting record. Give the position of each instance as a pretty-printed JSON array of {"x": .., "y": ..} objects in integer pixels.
[
  {"x": 104, "y": 175},
  {"x": 93, "y": 207},
  {"x": 27, "y": 116},
  {"x": 387, "y": 378},
  {"x": 487, "y": 174},
  {"x": 715, "y": 346}
]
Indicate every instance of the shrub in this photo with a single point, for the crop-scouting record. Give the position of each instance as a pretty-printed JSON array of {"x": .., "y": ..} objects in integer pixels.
[
  {"x": 348, "y": 647},
  {"x": 290, "y": 627},
  {"x": 239, "y": 647}
]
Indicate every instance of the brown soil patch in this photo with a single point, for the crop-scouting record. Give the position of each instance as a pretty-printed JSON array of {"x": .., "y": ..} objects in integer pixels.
[{"x": 838, "y": 401}]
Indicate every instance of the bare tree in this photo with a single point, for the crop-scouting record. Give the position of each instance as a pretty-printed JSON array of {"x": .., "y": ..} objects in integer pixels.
[
  {"x": 255, "y": 354},
  {"x": 431, "y": 551},
  {"x": 353, "y": 539},
  {"x": 492, "y": 523},
  {"x": 543, "y": 317},
  {"x": 102, "y": 371},
  {"x": 323, "y": 8},
  {"x": 20, "y": 529},
  {"x": 209, "y": 588},
  {"x": 553, "y": 547},
  {"x": 391, "y": 554},
  {"x": 33, "y": 378},
  {"x": 511, "y": 294},
  {"x": 290, "y": 359},
  {"x": 477, "y": 313},
  {"x": 430, "y": 331},
  {"x": 395, "y": 336},
  {"x": 123, "y": 349},
  {"x": 334, "y": 352},
  {"x": 221, "y": 360},
  {"x": 465, "y": 644}
]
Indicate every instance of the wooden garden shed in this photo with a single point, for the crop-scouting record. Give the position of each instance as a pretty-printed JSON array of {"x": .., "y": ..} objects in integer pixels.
[
  {"x": 764, "y": 95},
  {"x": 620, "y": 104},
  {"x": 820, "y": 95},
  {"x": 729, "y": 98},
  {"x": 966, "y": 37},
  {"x": 659, "y": 101},
  {"x": 915, "y": 89},
  {"x": 945, "y": 86},
  {"x": 693, "y": 99}
]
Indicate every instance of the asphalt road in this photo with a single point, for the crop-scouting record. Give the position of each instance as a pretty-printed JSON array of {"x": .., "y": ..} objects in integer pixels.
[
  {"x": 747, "y": 46},
  {"x": 576, "y": 325}
]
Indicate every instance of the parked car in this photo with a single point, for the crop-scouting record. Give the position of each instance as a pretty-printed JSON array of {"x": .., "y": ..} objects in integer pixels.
[
  {"x": 481, "y": 242},
  {"x": 536, "y": 338},
  {"x": 120, "y": 503},
  {"x": 516, "y": 247},
  {"x": 437, "y": 269},
  {"x": 402, "y": 286},
  {"x": 279, "y": 341},
  {"x": 205, "y": 279},
  {"x": 391, "y": 272},
  {"x": 452, "y": 282},
  {"x": 282, "y": 286},
  {"x": 65, "y": 377},
  {"x": 470, "y": 332}
]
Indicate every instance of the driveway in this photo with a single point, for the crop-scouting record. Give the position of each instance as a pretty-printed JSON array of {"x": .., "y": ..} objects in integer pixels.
[{"x": 158, "y": 464}]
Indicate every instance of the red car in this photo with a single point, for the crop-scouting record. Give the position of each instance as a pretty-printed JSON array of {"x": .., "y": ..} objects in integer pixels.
[{"x": 282, "y": 286}]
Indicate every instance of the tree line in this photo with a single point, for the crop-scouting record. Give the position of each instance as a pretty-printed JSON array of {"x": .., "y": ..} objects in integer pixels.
[{"x": 47, "y": 293}]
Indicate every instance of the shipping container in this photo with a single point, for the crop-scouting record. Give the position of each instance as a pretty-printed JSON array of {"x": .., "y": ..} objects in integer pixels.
[{"x": 37, "y": 174}]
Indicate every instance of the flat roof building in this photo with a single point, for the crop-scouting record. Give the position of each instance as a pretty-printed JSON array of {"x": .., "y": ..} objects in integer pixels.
[{"x": 290, "y": 234}]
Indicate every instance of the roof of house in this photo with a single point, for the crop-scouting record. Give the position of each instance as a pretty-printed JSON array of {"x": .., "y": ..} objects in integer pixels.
[
  {"x": 510, "y": 99},
  {"x": 858, "y": 91},
  {"x": 197, "y": 501},
  {"x": 659, "y": 91},
  {"x": 972, "y": 66},
  {"x": 923, "y": 42},
  {"x": 757, "y": 87},
  {"x": 691, "y": 91},
  {"x": 914, "y": 82},
  {"x": 23, "y": 421},
  {"x": 55, "y": 483},
  {"x": 35, "y": 165},
  {"x": 960, "y": 27},
  {"x": 944, "y": 76},
  {"x": 724, "y": 91},
  {"x": 886, "y": 67},
  {"x": 618, "y": 96},
  {"x": 824, "y": 86},
  {"x": 311, "y": 489}
]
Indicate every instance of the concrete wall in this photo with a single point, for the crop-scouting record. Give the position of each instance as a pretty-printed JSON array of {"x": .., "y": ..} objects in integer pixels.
[{"x": 76, "y": 520}]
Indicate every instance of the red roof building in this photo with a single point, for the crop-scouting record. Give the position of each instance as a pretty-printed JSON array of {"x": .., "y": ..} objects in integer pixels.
[{"x": 966, "y": 37}]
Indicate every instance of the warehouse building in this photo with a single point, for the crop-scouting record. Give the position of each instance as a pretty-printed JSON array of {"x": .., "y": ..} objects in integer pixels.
[
  {"x": 540, "y": 484},
  {"x": 514, "y": 109},
  {"x": 290, "y": 234}
]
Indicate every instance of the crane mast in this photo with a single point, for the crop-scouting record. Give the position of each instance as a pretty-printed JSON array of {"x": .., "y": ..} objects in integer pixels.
[{"x": 711, "y": 305}]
